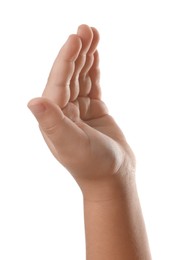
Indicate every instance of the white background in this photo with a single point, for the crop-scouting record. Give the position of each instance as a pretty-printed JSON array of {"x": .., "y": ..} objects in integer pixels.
[{"x": 41, "y": 210}]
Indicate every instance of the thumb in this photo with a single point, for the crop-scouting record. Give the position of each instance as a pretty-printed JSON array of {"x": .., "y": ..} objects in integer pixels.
[{"x": 64, "y": 134}]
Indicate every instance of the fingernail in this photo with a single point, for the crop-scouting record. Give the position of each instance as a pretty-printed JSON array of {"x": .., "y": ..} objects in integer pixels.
[{"x": 37, "y": 108}]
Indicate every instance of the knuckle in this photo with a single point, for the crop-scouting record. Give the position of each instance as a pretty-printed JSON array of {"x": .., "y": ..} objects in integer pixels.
[{"x": 49, "y": 129}]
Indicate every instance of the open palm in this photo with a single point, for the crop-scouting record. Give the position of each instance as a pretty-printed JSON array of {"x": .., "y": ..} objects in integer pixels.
[{"x": 76, "y": 126}]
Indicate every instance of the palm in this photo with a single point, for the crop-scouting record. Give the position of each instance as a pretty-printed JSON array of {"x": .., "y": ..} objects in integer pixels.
[
  {"x": 85, "y": 109},
  {"x": 93, "y": 112}
]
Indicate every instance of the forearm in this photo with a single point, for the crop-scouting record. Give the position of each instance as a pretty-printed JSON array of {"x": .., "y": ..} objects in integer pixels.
[{"x": 115, "y": 228}]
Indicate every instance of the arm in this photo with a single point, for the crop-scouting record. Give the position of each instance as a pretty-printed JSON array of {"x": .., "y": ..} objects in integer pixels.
[
  {"x": 115, "y": 228},
  {"x": 84, "y": 138}
]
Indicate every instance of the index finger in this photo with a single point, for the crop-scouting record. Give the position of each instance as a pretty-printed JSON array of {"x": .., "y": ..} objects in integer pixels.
[{"x": 58, "y": 85}]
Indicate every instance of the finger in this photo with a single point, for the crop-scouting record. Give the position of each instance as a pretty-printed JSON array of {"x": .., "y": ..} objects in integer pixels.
[
  {"x": 85, "y": 80},
  {"x": 89, "y": 54},
  {"x": 60, "y": 130},
  {"x": 57, "y": 88},
  {"x": 86, "y": 35},
  {"x": 95, "y": 41},
  {"x": 94, "y": 74}
]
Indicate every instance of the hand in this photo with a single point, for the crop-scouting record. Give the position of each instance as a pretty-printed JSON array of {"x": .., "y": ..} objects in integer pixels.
[{"x": 73, "y": 119}]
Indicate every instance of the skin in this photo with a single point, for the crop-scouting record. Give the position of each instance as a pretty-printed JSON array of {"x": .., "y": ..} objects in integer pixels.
[{"x": 83, "y": 137}]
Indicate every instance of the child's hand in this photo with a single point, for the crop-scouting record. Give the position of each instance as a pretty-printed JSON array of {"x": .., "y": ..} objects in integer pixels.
[{"x": 75, "y": 122}]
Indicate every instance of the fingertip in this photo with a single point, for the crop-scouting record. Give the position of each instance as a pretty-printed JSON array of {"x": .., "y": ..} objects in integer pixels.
[
  {"x": 83, "y": 26},
  {"x": 37, "y": 106},
  {"x": 72, "y": 47},
  {"x": 84, "y": 29},
  {"x": 95, "y": 32},
  {"x": 86, "y": 35},
  {"x": 75, "y": 38},
  {"x": 35, "y": 101}
]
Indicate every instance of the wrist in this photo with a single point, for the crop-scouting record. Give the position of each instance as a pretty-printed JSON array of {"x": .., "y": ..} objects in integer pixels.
[{"x": 110, "y": 188}]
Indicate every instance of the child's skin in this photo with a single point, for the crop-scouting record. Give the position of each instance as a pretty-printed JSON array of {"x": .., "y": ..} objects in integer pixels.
[{"x": 84, "y": 138}]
